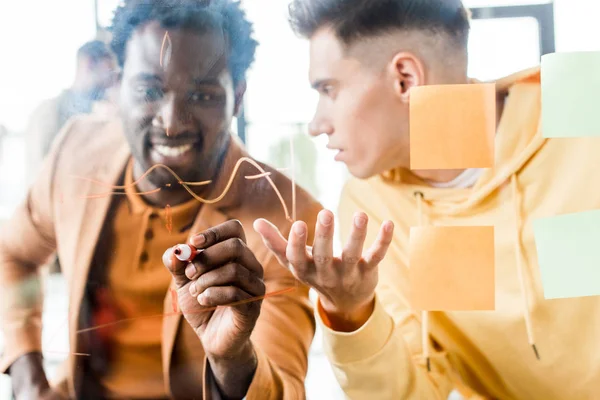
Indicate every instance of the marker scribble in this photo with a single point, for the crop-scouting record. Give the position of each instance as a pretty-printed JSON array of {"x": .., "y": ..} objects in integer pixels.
[
  {"x": 186, "y": 185},
  {"x": 165, "y": 50},
  {"x": 169, "y": 218},
  {"x": 208, "y": 309},
  {"x": 174, "y": 299}
]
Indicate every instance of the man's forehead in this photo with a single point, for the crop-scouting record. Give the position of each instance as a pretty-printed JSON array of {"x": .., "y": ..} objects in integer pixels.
[
  {"x": 324, "y": 43},
  {"x": 330, "y": 58},
  {"x": 326, "y": 53},
  {"x": 155, "y": 47}
]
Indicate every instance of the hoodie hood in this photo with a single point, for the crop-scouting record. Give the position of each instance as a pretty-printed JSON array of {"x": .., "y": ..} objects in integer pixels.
[{"x": 518, "y": 138}]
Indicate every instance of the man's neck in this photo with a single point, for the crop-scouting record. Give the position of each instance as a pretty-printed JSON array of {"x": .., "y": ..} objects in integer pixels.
[
  {"x": 438, "y": 175},
  {"x": 163, "y": 197},
  {"x": 444, "y": 176}
]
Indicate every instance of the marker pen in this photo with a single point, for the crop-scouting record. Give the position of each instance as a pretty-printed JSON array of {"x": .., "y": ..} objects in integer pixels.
[{"x": 185, "y": 252}]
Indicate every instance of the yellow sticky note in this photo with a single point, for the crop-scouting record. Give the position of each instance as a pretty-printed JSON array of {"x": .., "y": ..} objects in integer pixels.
[
  {"x": 451, "y": 268},
  {"x": 452, "y": 126}
]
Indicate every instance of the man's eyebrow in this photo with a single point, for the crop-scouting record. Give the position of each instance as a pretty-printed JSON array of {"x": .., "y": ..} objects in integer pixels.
[
  {"x": 145, "y": 76},
  {"x": 207, "y": 81}
]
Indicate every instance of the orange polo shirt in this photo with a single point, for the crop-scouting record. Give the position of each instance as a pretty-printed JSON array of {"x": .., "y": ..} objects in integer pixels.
[{"x": 137, "y": 284}]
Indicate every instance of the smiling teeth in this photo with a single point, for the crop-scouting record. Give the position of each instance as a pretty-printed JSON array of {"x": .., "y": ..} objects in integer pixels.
[{"x": 169, "y": 151}]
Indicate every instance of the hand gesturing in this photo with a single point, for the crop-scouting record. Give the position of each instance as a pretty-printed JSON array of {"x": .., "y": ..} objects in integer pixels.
[{"x": 345, "y": 284}]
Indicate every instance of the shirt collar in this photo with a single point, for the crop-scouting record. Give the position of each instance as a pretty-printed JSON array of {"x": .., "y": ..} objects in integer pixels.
[{"x": 180, "y": 216}]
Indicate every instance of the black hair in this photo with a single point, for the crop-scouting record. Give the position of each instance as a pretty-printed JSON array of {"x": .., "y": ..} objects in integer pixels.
[
  {"x": 352, "y": 20},
  {"x": 200, "y": 15}
]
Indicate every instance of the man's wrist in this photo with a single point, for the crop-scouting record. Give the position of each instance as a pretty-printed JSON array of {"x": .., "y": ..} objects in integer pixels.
[
  {"x": 233, "y": 375},
  {"x": 345, "y": 320}
]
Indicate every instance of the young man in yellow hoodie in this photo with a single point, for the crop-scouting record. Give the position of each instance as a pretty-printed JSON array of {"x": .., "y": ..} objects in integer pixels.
[{"x": 365, "y": 58}]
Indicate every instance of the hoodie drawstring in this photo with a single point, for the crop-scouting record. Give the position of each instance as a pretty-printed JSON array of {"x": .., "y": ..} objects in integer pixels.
[
  {"x": 424, "y": 313},
  {"x": 521, "y": 272}
]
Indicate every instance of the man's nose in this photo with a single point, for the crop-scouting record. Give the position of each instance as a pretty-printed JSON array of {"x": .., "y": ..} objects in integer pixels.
[
  {"x": 319, "y": 126},
  {"x": 175, "y": 116}
]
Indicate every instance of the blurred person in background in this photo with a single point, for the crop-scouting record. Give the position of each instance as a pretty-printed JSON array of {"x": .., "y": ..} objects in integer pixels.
[
  {"x": 92, "y": 90},
  {"x": 95, "y": 74}
]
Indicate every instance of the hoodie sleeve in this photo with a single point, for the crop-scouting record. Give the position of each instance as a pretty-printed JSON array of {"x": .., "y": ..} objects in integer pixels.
[{"x": 384, "y": 358}]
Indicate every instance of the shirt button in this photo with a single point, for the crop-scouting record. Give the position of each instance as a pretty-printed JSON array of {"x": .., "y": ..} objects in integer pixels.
[
  {"x": 144, "y": 257},
  {"x": 149, "y": 234}
]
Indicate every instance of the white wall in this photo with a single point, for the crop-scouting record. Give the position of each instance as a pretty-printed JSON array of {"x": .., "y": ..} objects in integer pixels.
[
  {"x": 577, "y": 26},
  {"x": 38, "y": 42}
]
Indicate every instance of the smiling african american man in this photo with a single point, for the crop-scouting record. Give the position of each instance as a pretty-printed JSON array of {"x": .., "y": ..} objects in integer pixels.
[{"x": 178, "y": 96}]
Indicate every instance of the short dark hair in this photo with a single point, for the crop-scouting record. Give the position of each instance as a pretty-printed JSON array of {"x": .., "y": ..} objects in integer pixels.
[
  {"x": 95, "y": 51},
  {"x": 355, "y": 19},
  {"x": 200, "y": 15}
]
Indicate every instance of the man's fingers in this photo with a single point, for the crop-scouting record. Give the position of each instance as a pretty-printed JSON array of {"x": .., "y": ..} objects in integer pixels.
[
  {"x": 176, "y": 267},
  {"x": 227, "y": 230},
  {"x": 223, "y": 296},
  {"x": 229, "y": 275},
  {"x": 322, "y": 250},
  {"x": 273, "y": 239},
  {"x": 379, "y": 249},
  {"x": 232, "y": 250},
  {"x": 296, "y": 252},
  {"x": 354, "y": 248}
]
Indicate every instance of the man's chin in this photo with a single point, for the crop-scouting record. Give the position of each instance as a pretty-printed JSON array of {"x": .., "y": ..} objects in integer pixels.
[
  {"x": 163, "y": 183},
  {"x": 163, "y": 178},
  {"x": 366, "y": 170},
  {"x": 359, "y": 171}
]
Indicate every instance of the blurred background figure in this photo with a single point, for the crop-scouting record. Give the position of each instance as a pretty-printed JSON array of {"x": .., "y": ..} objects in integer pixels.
[{"x": 94, "y": 77}]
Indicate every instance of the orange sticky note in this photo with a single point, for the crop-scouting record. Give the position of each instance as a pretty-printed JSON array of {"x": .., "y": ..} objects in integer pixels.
[
  {"x": 452, "y": 126},
  {"x": 451, "y": 268}
]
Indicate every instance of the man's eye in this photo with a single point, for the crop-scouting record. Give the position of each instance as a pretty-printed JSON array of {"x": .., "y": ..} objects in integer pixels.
[
  {"x": 201, "y": 97},
  {"x": 327, "y": 89},
  {"x": 206, "y": 97}
]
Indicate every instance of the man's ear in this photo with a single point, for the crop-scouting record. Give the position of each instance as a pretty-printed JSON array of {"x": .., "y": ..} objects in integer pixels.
[
  {"x": 407, "y": 71},
  {"x": 240, "y": 90}
]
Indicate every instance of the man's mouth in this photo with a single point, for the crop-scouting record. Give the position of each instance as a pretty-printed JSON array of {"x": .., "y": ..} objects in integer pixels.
[
  {"x": 174, "y": 154},
  {"x": 172, "y": 151},
  {"x": 338, "y": 152}
]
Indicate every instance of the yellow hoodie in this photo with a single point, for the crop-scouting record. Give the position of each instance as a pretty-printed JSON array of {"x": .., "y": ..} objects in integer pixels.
[{"x": 490, "y": 352}]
